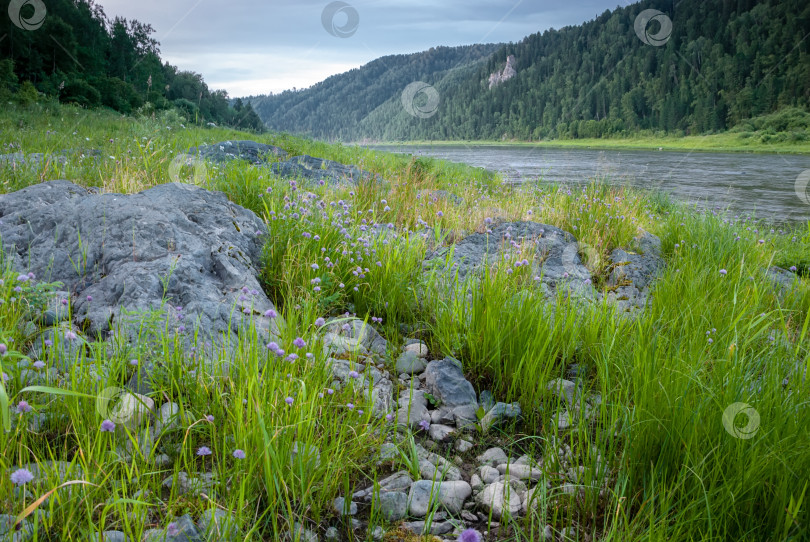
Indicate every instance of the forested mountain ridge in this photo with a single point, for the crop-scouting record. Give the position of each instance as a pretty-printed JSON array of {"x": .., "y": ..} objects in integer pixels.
[
  {"x": 336, "y": 106},
  {"x": 725, "y": 61}
]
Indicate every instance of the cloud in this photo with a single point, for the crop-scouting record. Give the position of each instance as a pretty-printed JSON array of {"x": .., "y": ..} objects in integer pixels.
[{"x": 250, "y": 47}]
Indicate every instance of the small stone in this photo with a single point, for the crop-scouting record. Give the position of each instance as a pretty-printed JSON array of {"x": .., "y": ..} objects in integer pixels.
[
  {"x": 332, "y": 535},
  {"x": 410, "y": 363},
  {"x": 493, "y": 457},
  {"x": 464, "y": 446},
  {"x": 133, "y": 410},
  {"x": 438, "y": 471},
  {"x": 476, "y": 483},
  {"x": 393, "y": 505},
  {"x": 451, "y": 495},
  {"x": 167, "y": 418},
  {"x": 440, "y": 433},
  {"x": 435, "y": 528},
  {"x": 343, "y": 509},
  {"x": 302, "y": 534},
  {"x": 113, "y": 536},
  {"x": 468, "y": 516},
  {"x": 377, "y": 533},
  {"x": 489, "y": 474},
  {"x": 418, "y": 348},
  {"x": 217, "y": 524},
  {"x": 501, "y": 499},
  {"x": 500, "y": 413},
  {"x": 519, "y": 471}
]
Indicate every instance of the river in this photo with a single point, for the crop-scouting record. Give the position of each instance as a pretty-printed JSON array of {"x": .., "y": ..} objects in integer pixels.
[{"x": 767, "y": 185}]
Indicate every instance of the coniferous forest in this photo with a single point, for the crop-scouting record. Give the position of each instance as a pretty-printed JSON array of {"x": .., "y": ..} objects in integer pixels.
[
  {"x": 725, "y": 61},
  {"x": 81, "y": 56}
]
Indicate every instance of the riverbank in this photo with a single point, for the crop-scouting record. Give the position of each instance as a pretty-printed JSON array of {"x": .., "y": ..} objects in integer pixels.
[
  {"x": 680, "y": 419},
  {"x": 727, "y": 142}
]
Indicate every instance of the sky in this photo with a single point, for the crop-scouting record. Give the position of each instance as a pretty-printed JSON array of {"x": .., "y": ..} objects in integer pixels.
[{"x": 250, "y": 47}]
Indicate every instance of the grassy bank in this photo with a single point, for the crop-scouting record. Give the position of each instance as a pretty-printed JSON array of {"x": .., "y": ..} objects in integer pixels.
[
  {"x": 726, "y": 142},
  {"x": 660, "y": 464}
]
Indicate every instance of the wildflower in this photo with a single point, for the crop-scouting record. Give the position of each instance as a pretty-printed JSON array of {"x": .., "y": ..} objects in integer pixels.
[
  {"x": 210, "y": 418},
  {"x": 309, "y": 355},
  {"x": 354, "y": 374},
  {"x": 723, "y": 272},
  {"x": 350, "y": 406},
  {"x": 793, "y": 268},
  {"x": 22, "y": 278},
  {"x": 711, "y": 341},
  {"x": 341, "y": 285},
  {"x": 21, "y": 476},
  {"x": 470, "y": 535},
  {"x": 292, "y": 357},
  {"x": 289, "y": 401},
  {"x": 487, "y": 220},
  {"x": 389, "y": 417},
  {"x": 346, "y": 327},
  {"x": 239, "y": 454},
  {"x": 203, "y": 451},
  {"x": 3, "y": 349},
  {"x": 330, "y": 391},
  {"x": 280, "y": 352},
  {"x": 320, "y": 322},
  {"x": 315, "y": 266},
  {"x": 23, "y": 407},
  {"x": 272, "y": 346},
  {"x": 270, "y": 313},
  {"x": 317, "y": 289},
  {"x": 39, "y": 364},
  {"x": 424, "y": 425},
  {"x": 299, "y": 343},
  {"x": 440, "y": 214},
  {"x": 107, "y": 426}
]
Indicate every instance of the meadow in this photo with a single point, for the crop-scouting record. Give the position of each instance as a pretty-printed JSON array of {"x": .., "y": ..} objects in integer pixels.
[{"x": 661, "y": 462}]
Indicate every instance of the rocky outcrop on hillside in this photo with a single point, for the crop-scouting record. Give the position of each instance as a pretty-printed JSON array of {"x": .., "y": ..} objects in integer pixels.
[{"x": 505, "y": 75}]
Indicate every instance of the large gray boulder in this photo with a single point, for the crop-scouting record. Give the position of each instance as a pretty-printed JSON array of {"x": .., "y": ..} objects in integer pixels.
[
  {"x": 633, "y": 271},
  {"x": 178, "y": 246},
  {"x": 312, "y": 170},
  {"x": 251, "y": 151},
  {"x": 556, "y": 254}
]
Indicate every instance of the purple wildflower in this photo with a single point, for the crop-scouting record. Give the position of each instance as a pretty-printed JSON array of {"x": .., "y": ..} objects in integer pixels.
[
  {"x": 203, "y": 451},
  {"x": 354, "y": 374},
  {"x": 89, "y": 298},
  {"x": 289, "y": 401},
  {"x": 39, "y": 364},
  {"x": 21, "y": 476},
  {"x": 424, "y": 425},
  {"x": 320, "y": 322},
  {"x": 330, "y": 391},
  {"x": 23, "y": 407},
  {"x": 210, "y": 418},
  {"x": 270, "y": 313},
  {"x": 107, "y": 426},
  {"x": 239, "y": 454},
  {"x": 723, "y": 272},
  {"x": 3, "y": 349},
  {"x": 470, "y": 535},
  {"x": 350, "y": 406}
]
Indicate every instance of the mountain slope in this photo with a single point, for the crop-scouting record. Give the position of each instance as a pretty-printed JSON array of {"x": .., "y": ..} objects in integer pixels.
[
  {"x": 333, "y": 108},
  {"x": 724, "y": 61}
]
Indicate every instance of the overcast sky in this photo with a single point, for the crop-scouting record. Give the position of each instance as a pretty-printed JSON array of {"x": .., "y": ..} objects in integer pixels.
[{"x": 257, "y": 47}]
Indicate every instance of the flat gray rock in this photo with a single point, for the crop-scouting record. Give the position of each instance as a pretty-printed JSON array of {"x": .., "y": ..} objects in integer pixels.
[
  {"x": 250, "y": 151},
  {"x": 312, "y": 170},
  {"x": 447, "y": 495}
]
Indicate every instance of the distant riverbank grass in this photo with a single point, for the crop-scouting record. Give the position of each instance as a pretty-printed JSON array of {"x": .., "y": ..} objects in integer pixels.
[{"x": 661, "y": 464}]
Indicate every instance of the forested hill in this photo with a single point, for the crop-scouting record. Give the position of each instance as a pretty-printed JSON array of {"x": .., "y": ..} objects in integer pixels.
[
  {"x": 725, "y": 61},
  {"x": 335, "y": 107},
  {"x": 71, "y": 50}
]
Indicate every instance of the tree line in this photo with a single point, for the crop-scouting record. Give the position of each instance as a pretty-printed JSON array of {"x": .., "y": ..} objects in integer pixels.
[{"x": 78, "y": 55}]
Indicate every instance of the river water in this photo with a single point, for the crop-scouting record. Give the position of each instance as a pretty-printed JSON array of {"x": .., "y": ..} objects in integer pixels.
[{"x": 771, "y": 186}]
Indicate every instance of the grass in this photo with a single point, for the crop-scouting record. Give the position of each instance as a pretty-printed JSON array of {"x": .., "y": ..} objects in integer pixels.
[
  {"x": 659, "y": 464},
  {"x": 744, "y": 141}
]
